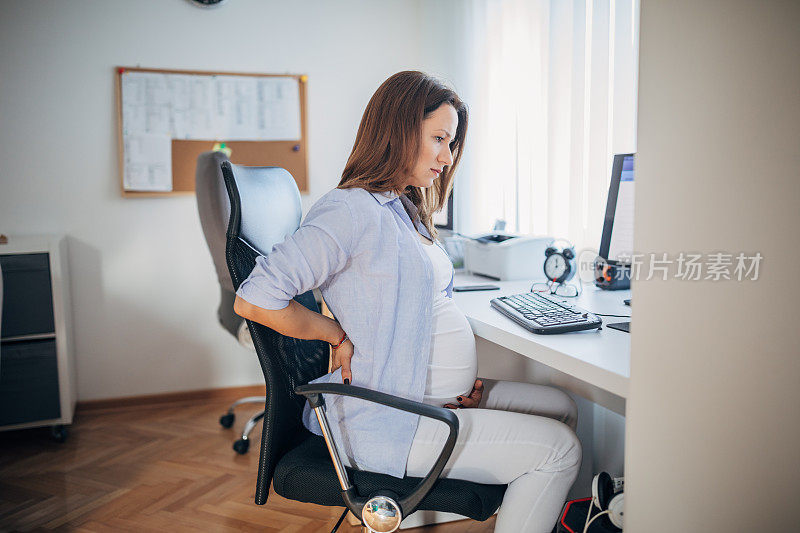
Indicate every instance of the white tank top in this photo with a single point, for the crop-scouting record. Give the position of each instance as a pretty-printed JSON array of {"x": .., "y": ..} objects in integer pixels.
[{"x": 453, "y": 363}]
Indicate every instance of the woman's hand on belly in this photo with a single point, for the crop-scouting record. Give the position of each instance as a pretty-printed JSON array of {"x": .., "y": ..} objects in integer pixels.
[{"x": 471, "y": 400}]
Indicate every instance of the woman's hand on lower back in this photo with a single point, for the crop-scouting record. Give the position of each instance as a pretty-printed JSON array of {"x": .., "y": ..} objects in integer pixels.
[
  {"x": 341, "y": 358},
  {"x": 472, "y": 400}
]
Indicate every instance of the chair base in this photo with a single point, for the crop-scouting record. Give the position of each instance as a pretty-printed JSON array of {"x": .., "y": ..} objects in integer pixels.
[
  {"x": 242, "y": 445},
  {"x": 422, "y": 518},
  {"x": 339, "y": 522}
]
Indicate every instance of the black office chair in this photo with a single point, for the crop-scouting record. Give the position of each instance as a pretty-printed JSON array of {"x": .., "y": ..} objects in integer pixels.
[
  {"x": 214, "y": 211},
  {"x": 303, "y": 466}
]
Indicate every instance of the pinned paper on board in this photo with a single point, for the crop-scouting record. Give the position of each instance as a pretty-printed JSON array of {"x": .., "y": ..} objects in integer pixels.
[
  {"x": 148, "y": 162},
  {"x": 158, "y": 108}
]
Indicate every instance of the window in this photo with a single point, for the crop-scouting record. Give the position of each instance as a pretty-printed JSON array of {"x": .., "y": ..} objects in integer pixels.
[{"x": 552, "y": 95}]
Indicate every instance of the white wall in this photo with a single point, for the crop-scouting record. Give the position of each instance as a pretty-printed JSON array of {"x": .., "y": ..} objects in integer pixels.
[
  {"x": 143, "y": 287},
  {"x": 713, "y": 425}
]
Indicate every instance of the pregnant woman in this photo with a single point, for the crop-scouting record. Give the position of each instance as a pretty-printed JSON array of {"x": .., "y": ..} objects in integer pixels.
[{"x": 370, "y": 246}]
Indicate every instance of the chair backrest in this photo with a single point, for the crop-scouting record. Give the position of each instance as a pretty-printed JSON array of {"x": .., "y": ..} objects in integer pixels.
[
  {"x": 265, "y": 208},
  {"x": 214, "y": 211}
]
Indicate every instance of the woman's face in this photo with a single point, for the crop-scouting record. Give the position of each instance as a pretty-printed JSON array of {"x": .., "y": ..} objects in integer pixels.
[{"x": 434, "y": 154}]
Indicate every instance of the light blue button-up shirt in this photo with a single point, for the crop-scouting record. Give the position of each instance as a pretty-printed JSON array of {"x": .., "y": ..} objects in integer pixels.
[{"x": 362, "y": 251}]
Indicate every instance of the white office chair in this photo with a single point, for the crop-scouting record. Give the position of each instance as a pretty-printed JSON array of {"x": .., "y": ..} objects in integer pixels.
[{"x": 214, "y": 210}]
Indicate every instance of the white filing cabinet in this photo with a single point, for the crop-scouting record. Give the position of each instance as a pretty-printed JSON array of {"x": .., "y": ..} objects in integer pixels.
[{"x": 37, "y": 368}]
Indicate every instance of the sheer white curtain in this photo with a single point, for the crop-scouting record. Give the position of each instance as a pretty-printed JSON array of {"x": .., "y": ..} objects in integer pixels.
[{"x": 552, "y": 95}]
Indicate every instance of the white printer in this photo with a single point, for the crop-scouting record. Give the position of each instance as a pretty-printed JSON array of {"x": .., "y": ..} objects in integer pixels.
[{"x": 506, "y": 257}]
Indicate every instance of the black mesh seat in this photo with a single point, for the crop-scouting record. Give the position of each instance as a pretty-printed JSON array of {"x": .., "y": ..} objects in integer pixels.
[
  {"x": 265, "y": 207},
  {"x": 306, "y": 474}
]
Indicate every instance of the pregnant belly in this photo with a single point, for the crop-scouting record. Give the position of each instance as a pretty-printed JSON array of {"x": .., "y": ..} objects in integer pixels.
[{"x": 453, "y": 364}]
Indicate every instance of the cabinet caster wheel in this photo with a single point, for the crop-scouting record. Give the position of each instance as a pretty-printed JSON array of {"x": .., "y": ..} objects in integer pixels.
[
  {"x": 241, "y": 446},
  {"x": 59, "y": 433},
  {"x": 226, "y": 420}
]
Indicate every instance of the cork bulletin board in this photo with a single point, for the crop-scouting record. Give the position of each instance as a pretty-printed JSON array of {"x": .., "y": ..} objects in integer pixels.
[{"x": 166, "y": 118}]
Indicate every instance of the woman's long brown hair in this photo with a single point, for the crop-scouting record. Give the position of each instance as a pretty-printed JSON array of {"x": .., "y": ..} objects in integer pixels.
[{"x": 388, "y": 141}]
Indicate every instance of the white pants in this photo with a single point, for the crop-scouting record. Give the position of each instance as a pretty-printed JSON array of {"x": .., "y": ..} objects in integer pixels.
[{"x": 522, "y": 435}]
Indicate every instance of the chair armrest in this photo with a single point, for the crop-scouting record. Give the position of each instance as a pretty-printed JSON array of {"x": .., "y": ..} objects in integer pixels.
[
  {"x": 314, "y": 391},
  {"x": 409, "y": 503}
]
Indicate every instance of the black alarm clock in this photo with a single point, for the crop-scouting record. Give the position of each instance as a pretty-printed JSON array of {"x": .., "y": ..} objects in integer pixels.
[{"x": 559, "y": 265}]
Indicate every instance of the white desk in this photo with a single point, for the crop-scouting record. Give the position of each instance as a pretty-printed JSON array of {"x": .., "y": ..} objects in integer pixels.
[{"x": 599, "y": 359}]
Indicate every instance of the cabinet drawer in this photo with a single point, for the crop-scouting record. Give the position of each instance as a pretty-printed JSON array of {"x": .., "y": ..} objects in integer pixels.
[
  {"x": 28, "y": 382},
  {"x": 27, "y": 300}
]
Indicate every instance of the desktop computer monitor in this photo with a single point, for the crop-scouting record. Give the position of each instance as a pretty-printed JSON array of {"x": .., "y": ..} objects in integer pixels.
[
  {"x": 444, "y": 219},
  {"x": 612, "y": 268},
  {"x": 616, "y": 245}
]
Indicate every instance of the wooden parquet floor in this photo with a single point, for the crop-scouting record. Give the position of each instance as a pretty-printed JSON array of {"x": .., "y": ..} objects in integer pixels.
[{"x": 166, "y": 467}]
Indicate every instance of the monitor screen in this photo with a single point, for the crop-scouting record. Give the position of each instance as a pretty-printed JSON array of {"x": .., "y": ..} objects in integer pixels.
[
  {"x": 444, "y": 219},
  {"x": 617, "y": 242}
]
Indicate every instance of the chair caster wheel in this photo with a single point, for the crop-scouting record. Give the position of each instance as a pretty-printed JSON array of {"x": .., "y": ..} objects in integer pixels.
[
  {"x": 226, "y": 420},
  {"x": 241, "y": 446},
  {"x": 59, "y": 433}
]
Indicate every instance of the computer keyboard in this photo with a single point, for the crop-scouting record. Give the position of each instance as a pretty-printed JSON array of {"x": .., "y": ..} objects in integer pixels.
[{"x": 545, "y": 313}]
